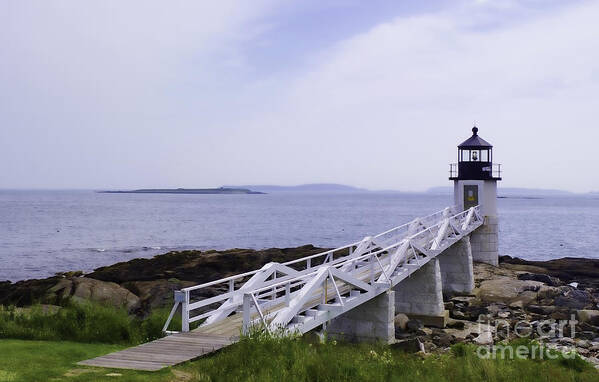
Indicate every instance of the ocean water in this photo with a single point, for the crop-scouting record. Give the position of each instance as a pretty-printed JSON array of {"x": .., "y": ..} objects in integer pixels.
[{"x": 44, "y": 232}]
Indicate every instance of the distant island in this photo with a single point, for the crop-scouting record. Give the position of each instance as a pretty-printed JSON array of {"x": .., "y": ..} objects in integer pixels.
[{"x": 221, "y": 190}]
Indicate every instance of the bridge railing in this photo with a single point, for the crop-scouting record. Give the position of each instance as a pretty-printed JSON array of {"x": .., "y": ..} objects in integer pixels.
[
  {"x": 393, "y": 234},
  {"x": 198, "y": 298},
  {"x": 263, "y": 305},
  {"x": 230, "y": 290}
]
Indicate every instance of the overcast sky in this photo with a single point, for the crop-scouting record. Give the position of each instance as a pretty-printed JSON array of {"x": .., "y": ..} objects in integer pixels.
[{"x": 375, "y": 94}]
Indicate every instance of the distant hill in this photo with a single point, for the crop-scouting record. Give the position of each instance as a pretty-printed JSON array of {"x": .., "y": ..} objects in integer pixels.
[
  {"x": 313, "y": 187},
  {"x": 508, "y": 191}
]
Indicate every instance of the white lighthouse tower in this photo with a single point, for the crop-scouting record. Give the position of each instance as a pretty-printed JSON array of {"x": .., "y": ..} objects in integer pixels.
[{"x": 475, "y": 183}]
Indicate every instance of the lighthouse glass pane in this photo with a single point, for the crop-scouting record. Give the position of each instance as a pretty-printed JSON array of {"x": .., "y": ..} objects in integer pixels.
[
  {"x": 475, "y": 155},
  {"x": 484, "y": 155},
  {"x": 465, "y": 156}
]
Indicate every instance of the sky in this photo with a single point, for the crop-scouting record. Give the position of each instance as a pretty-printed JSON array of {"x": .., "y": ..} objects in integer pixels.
[{"x": 375, "y": 94}]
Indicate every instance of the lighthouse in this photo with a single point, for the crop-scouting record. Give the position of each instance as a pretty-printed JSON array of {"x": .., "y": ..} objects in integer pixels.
[{"x": 475, "y": 179}]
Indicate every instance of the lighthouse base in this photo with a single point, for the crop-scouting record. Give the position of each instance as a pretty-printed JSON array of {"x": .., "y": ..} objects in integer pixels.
[{"x": 485, "y": 242}]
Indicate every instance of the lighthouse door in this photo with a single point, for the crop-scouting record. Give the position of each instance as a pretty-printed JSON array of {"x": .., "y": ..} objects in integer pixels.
[{"x": 470, "y": 196}]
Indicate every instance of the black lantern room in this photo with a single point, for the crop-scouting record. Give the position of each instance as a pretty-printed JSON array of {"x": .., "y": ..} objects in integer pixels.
[{"x": 475, "y": 160}]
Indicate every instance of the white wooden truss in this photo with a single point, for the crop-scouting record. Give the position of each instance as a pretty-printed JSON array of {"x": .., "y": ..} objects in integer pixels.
[{"x": 302, "y": 294}]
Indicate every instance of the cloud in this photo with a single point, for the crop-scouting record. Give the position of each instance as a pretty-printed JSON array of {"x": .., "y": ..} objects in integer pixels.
[
  {"x": 111, "y": 94},
  {"x": 91, "y": 92},
  {"x": 386, "y": 108}
]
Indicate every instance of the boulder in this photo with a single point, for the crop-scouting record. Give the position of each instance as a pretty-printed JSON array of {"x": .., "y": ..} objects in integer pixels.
[
  {"x": 474, "y": 312},
  {"x": 81, "y": 289},
  {"x": 457, "y": 314},
  {"x": 506, "y": 290},
  {"x": 575, "y": 299},
  {"x": 414, "y": 325},
  {"x": 454, "y": 324},
  {"x": 548, "y": 292},
  {"x": 541, "y": 309},
  {"x": 401, "y": 321},
  {"x": 159, "y": 293},
  {"x": 411, "y": 345},
  {"x": 444, "y": 340},
  {"x": 586, "y": 334},
  {"x": 588, "y": 316},
  {"x": 546, "y": 279},
  {"x": 485, "y": 338},
  {"x": 524, "y": 299}
]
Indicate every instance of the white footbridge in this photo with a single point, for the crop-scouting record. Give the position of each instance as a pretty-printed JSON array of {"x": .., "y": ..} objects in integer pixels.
[{"x": 319, "y": 290}]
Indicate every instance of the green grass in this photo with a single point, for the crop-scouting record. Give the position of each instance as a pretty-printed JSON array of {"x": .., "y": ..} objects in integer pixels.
[
  {"x": 82, "y": 323},
  {"x": 265, "y": 359},
  {"x": 99, "y": 330},
  {"x": 33, "y": 361}
]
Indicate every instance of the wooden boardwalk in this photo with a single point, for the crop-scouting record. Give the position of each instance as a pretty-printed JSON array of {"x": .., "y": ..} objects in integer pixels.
[{"x": 167, "y": 351}]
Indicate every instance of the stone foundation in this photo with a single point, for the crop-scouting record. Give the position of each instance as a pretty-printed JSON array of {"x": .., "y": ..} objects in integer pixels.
[
  {"x": 485, "y": 242},
  {"x": 457, "y": 274},
  {"x": 421, "y": 296},
  {"x": 369, "y": 322}
]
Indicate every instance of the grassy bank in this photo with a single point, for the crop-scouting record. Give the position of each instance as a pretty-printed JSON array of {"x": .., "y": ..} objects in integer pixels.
[
  {"x": 288, "y": 360},
  {"x": 91, "y": 323},
  {"x": 285, "y": 360},
  {"x": 99, "y": 330}
]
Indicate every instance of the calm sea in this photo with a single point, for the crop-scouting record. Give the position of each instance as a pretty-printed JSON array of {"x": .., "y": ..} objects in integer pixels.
[{"x": 43, "y": 232}]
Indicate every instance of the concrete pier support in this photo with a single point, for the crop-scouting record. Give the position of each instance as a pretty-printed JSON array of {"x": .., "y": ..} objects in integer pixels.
[
  {"x": 485, "y": 242},
  {"x": 457, "y": 273},
  {"x": 370, "y": 322},
  {"x": 420, "y": 296}
]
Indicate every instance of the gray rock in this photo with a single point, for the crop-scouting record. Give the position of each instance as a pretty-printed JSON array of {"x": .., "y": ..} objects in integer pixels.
[
  {"x": 524, "y": 299},
  {"x": 541, "y": 309},
  {"x": 548, "y": 292},
  {"x": 575, "y": 299},
  {"x": 551, "y": 281},
  {"x": 565, "y": 341},
  {"x": 414, "y": 325},
  {"x": 457, "y": 314},
  {"x": 588, "y": 316},
  {"x": 444, "y": 340},
  {"x": 401, "y": 321},
  {"x": 412, "y": 345},
  {"x": 82, "y": 289},
  {"x": 585, "y": 334},
  {"x": 485, "y": 338},
  {"x": 452, "y": 324},
  {"x": 507, "y": 290}
]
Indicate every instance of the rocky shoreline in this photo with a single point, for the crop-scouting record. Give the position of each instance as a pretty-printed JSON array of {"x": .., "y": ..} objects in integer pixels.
[
  {"x": 144, "y": 284},
  {"x": 552, "y": 302},
  {"x": 536, "y": 293}
]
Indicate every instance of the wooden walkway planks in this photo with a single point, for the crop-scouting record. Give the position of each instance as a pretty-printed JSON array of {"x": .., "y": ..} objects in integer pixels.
[{"x": 167, "y": 351}]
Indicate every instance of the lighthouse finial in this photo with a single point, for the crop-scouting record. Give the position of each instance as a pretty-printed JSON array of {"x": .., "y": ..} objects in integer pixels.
[{"x": 475, "y": 130}]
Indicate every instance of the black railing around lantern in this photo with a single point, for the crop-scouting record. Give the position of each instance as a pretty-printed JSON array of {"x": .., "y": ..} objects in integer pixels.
[{"x": 494, "y": 169}]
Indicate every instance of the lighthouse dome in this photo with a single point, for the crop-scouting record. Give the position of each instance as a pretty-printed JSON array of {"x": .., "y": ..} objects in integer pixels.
[{"x": 475, "y": 141}]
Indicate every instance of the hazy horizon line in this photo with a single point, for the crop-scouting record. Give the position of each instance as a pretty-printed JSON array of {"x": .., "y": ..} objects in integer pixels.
[{"x": 430, "y": 189}]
